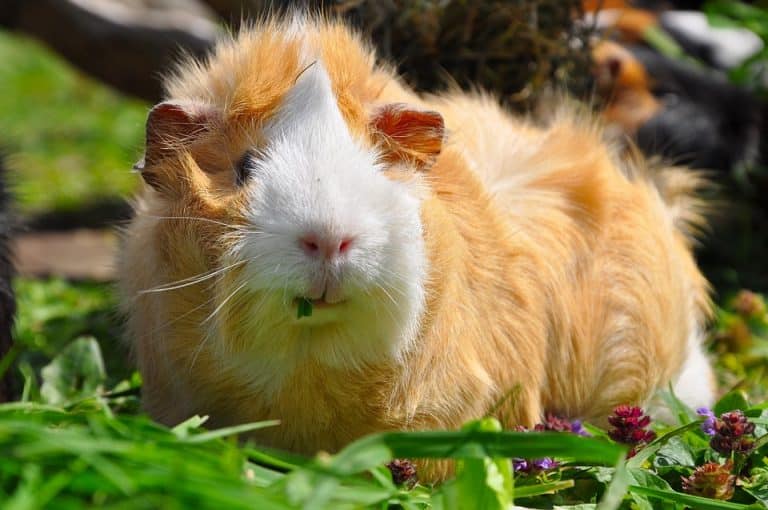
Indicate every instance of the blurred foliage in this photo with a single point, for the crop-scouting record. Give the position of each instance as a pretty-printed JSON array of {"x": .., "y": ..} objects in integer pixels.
[
  {"x": 752, "y": 73},
  {"x": 70, "y": 139},
  {"x": 740, "y": 342},
  {"x": 52, "y": 313},
  {"x": 517, "y": 49}
]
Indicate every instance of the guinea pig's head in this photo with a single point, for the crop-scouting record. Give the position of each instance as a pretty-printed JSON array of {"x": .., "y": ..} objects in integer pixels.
[{"x": 310, "y": 220}]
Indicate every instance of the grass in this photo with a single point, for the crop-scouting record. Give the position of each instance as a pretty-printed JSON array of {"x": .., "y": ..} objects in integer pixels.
[
  {"x": 71, "y": 140},
  {"x": 77, "y": 439}
]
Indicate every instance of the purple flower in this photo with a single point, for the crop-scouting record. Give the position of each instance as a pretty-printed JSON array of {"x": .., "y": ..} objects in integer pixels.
[
  {"x": 578, "y": 428},
  {"x": 708, "y": 425},
  {"x": 403, "y": 472},
  {"x": 545, "y": 464},
  {"x": 731, "y": 432},
  {"x": 534, "y": 466},
  {"x": 520, "y": 465},
  {"x": 551, "y": 423},
  {"x": 629, "y": 427},
  {"x": 734, "y": 433},
  {"x": 554, "y": 423}
]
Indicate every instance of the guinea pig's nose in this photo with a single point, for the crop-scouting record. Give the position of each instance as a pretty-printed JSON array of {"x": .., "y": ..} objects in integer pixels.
[{"x": 326, "y": 247}]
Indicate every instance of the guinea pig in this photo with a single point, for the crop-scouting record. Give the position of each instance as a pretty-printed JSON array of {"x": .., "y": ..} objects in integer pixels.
[{"x": 317, "y": 244}]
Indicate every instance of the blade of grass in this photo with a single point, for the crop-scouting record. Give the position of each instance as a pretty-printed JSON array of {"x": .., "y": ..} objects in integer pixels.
[
  {"x": 696, "y": 502},
  {"x": 275, "y": 458},
  {"x": 614, "y": 493},
  {"x": 528, "y": 491},
  {"x": 229, "y": 431},
  {"x": 380, "y": 448},
  {"x": 654, "y": 446}
]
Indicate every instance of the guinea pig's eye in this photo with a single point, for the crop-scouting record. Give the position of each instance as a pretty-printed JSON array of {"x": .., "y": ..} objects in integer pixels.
[{"x": 243, "y": 168}]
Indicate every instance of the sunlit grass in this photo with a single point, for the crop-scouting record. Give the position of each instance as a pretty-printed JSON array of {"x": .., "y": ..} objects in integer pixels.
[
  {"x": 70, "y": 139},
  {"x": 78, "y": 438}
]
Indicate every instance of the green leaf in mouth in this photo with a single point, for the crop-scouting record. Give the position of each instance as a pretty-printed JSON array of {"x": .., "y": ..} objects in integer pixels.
[{"x": 304, "y": 308}]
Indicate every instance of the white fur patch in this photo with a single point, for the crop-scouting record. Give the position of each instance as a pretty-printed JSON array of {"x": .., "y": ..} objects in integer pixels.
[
  {"x": 695, "y": 384},
  {"x": 314, "y": 177}
]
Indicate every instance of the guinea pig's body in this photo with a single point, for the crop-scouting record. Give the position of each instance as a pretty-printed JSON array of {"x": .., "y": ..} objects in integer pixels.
[{"x": 514, "y": 270}]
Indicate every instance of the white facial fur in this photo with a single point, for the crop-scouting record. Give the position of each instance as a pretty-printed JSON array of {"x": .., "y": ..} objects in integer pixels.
[{"x": 314, "y": 179}]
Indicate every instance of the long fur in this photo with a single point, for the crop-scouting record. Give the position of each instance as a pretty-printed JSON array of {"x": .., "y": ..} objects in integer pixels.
[{"x": 527, "y": 271}]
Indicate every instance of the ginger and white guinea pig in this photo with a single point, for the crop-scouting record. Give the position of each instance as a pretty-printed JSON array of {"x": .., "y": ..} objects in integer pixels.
[{"x": 458, "y": 261}]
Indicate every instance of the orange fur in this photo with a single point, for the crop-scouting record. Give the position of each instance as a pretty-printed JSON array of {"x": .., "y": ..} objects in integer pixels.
[{"x": 558, "y": 280}]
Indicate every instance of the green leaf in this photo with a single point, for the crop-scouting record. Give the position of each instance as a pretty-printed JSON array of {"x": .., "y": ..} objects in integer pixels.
[
  {"x": 484, "y": 482},
  {"x": 727, "y": 13},
  {"x": 229, "y": 431},
  {"x": 25, "y": 496},
  {"x": 757, "y": 486},
  {"x": 76, "y": 373},
  {"x": 538, "y": 489},
  {"x": 614, "y": 493},
  {"x": 658, "y": 39},
  {"x": 183, "y": 429},
  {"x": 675, "y": 452},
  {"x": 696, "y": 502},
  {"x": 304, "y": 308},
  {"x": 603, "y": 474},
  {"x": 373, "y": 450},
  {"x": 275, "y": 458},
  {"x": 683, "y": 413},
  {"x": 731, "y": 402},
  {"x": 656, "y": 445},
  {"x": 645, "y": 478}
]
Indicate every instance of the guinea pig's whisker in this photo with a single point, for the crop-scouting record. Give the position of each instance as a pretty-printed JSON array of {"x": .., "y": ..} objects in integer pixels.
[
  {"x": 198, "y": 349},
  {"x": 182, "y": 316},
  {"x": 256, "y": 310},
  {"x": 369, "y": 297},
  {"x": 396, "y": 278},
  {"x": 195, "y": 218},
  {"x": 224, "y": 302},
  {"x": 192, "y": 280},
  {"x": 386, "y": 293},
  {"x": 285, "y": 292},
  {"x": 393, "y": 275},
  {"x": 377, "y": 309}
]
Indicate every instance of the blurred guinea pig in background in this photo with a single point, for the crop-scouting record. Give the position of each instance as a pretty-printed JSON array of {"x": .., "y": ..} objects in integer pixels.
[
  {"x": 677, "y": 103},
  {"x": 318, "y": 244}
]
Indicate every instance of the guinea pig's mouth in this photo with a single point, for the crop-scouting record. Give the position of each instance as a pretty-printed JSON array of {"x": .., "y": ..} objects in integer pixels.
[
  {"x": 305, "y": 306},
  {"x": 316, "y": 303}
]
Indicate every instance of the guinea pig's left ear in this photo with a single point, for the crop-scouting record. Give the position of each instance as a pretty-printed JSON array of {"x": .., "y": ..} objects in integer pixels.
[
  {"x": 172, "y": 126},
  {"x": 408, "y": 135}
]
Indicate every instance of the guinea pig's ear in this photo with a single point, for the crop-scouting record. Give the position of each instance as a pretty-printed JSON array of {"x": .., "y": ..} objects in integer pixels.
[
  {"x": 408, "y": 135},
  {"x": 171, "y": 126}
]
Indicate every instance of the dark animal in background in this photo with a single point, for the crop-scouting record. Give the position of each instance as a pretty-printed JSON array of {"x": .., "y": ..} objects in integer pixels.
[
  {"x": 7, "y": 300},
  {"x": 704, "y": 120},
  {"x": 688, "y": 113}
]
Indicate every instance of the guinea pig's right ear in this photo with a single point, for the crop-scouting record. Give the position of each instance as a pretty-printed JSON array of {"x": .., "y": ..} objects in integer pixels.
[
  {"x": 408, "y": 135},
  {"x": 171, "y": 127}
]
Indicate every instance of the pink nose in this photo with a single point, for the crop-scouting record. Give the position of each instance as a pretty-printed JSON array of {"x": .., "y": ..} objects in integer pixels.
[{"x": 326, "y": 247}]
